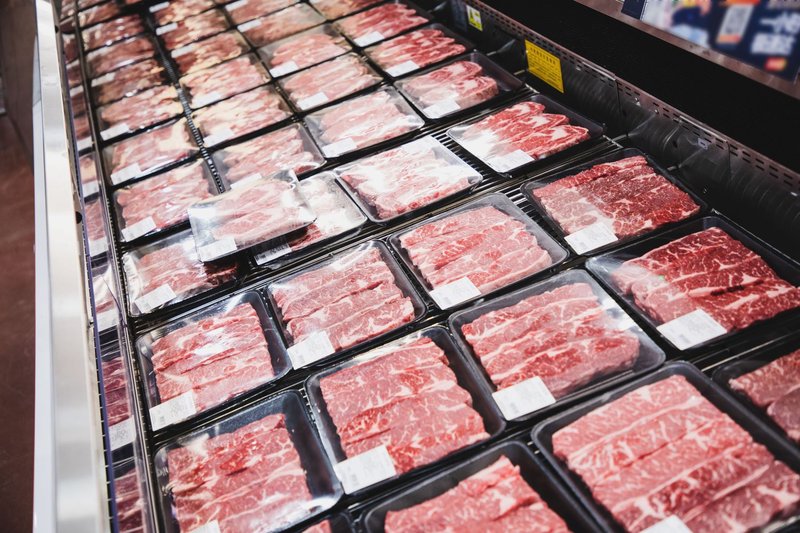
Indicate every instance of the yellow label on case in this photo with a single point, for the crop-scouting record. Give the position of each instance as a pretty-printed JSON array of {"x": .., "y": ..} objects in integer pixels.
[
  {"x": 544, "y": 65},
  {"x": 474, "y": 18}
]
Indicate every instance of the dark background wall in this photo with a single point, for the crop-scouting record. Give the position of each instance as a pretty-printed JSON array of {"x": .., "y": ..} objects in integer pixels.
[{"x": 17, "y": 30}]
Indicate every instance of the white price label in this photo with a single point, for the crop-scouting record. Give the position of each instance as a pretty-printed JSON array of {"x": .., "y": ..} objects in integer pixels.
[
  {"x": 217, "y": 249},
  {"x": 159, "y": 7},
  {"x": 121, "y": 434},
  {"x": 441, "y": 109},
  {"x": 523, "y": 398},
  {"x": 312, "y": 101},
  {"x": 233, "y": 6},
  {"x": 369, "y": 38},
  {"x": 218, "y": 136},
  {"x": 90, "y": 188},
  {"x": 591, "y": 237},
  {"x": 105, "y": 78},
  {"x": 75, "y": 91},
  {"x": 249, "y": 25},
  {"x": 205, "y": 99},
  {"x": 107, "y": 320},
  {"x": 273, "y": 253},
  {"x": 98, "y": 246},
  {"x": 283, "y": 68},
  {"x": 161, "y": 30},
  {"x": 155, "y": 298},
  {"x": 114, "y": 131},
  {"x": 507, "y": 162},
  {"x": 172, "y": 411},
  {"x": 125, "y": 174},
  {"x": 671, "y": 524},
  {"x": 365, "y": 469},
  {"x": 143, "y": 227},
  {"x": 339, "y": 147},
  {"x": 454, "y": 293},
  {"x": 245, "y": 180},
  {"x": 691, "y": 329},
  {"x": 83, "y": 144},
  {"x": 315, "y": 347},
  {"x": 402, "y": 68},
  {"x": 208, "y": 527},
  {"x": 182, "y": 51}
]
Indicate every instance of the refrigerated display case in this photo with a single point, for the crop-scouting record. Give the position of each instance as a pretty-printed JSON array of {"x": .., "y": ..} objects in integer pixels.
[{"x": 478, "y": 169}]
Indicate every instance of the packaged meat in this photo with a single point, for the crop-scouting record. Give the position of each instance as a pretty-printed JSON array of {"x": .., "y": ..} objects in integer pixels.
[
  {"x": 357, "y": 295},
  {"x": 379, "y": 23},
  {"x": 114, "y": 30},
  {"x": 611, "y": 199},
  {"x": 362, "y": 122},
  {"x": 67, "y": 26},
  {"x": 564, "y": 338},
  {"x": 129, "y": 495},
  {"x": 241, "y": 114},
  {"x": 106, "y": 306},
  {"x": 149, "y": 151},
  {"x": 162, "y": 201},
  {"x": 74, "y": 74},
  {"x": 68, "y": 10},
  {"x": 178, "y": 34},
  {"x": 127, "y": 81},
  {"x": 83, "y": 132},
  {"x": 289, "y": 148},
  {"x": 336, "y": 215},
  {"x": 255, "y": 212},
  {"x": 523, "y": 133},
  {"x": 94, "y": 226},
  {"x": 223, "y": 80},
  {"x": 70, "y": 45},
  {"x": 86, "y": 4},
  {"x": 418, "y": 402},
  {"x": 333, "y": 9},
  {"x": 143, "y": 109},
  {"x": 243, "y": 10},
  {"x": 673, "y": 448},
  {"x": 98, "y": 13},
  {"x": 77, "y": 100},
  {"x": 283, "y": 23},
  {"x": 209, "y": 52},
  {"x": 505, "y": 488},
  {"x": 415, "y": 50},
  {"x": 303, "y": 50},
  {"x": 110, "y": 58},
  {"x": 117, "y": 390},
  {"x": 701, "y": 281},
  {"x": 461, "y": 84},
  {"x": 475, "y": 250},
  {"x": 177, "y": 10},
  {"x": 88, "y": 175},
  {"x": 329, "y": 81},
  {"x": 168, "y": 272},
  {"x": 405, "y": 179},
  {"x": 211, "y": 356},
  {"x": 260, "y": 469}
]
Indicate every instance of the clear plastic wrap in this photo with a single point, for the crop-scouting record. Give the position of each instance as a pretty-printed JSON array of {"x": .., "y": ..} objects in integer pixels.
[
  {"x": 178, "y": 34},
  {"x": 127, "y": 81},
  {"x": 98, "y": 13},
  {"x": 329, "y": 82},
  {"x": 289, "y": 148},
  {"x": 240, "y": 115},
  {"x": 77, "y": 100},
  {"x": 408, "y": 404},
  {"x": 110, "y": 58},
  {"x": 149, "y": 151},
  {"x": 362, "y": 122},
  {"x": 209, "y": 52},
  {"x": 83, "y": 132},
  {"x": 416, "y": 50},
  {"x": 106, "y": 306},
  {"x": 117, "y": 389},
  {"x": 109, "y": 32},
  {"x": 356, "y": 296},
  {"x": 74, "y": 74},
  {"x": 70, "y": 45},
  {"x": 241, "y": 11},
  {"x": 130, "y": 495},
  {"x": 213, "y": 356},
  {"x": 336, "y": 215},
  {"x": 272, "y": 445},
  {"x": 379, "y": 23},
  {"x": 475, "y": 250},
  {"x": 141, "y": 110},
  {"x": 88, "y": 173},
  {"x": 555, "y": 342},
  {"x": 161, "y": 202},
  {"x": 406, "y": 179},
  {"x": 333, "y": 9},
  {"x": 215, "y": 83},
  {"x": 303, "y": 50},
  {"x": 95, "y": 227},
  {"x": 256, "y": 212},
  {"x": 177, "y": 10},
  {"x": 281, "y": 24},
  {"x": 169, "y": 271}
]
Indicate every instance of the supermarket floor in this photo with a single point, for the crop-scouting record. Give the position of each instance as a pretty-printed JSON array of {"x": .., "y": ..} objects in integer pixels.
[{"x": 17, "y": 332}]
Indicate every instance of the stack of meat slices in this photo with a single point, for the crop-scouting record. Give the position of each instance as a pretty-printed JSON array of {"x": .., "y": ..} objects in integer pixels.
[
  {"x": 305, "y": 49},
  {"x": 333, "y": 9},
  {"x": 664, "y": 450},
  {"x": 331, "y": 81},
  {"x": 562, "y": 336},
  {"x": 352, "y": 299},
  {"x": 711, "y": 271},
  {"x": 496, "y": 499},
  {"x": 209, "y": 52},
  {"x": 194, "y": 28},
  {"x": 130, "y": 502},
  {"x": 463, "y": 83},
  {"x": 407, "y": 399},
  {"x": 115, "y": 388},
  {"x": 88, "y": 173},
  {"x": 241, "y": 114},
  {"x": 120, "y": 54},
  {"x": 223, "y": 80},
  {"x": 151, "y": 150},
  {"x": 98, "y": 14},
  {"x": 421, "y": 47},
  {"x": 244, "y": 10},
  {"x": 112, "y": 31},
  {"x": 216, "y": 358},
  {"x": 247, "y": 480},
  {"x": 93, "y": 220},
  {"x": 178, "y": 10},
  {"x": 142, "y": 109},
  {"x": 385, "y": 21},
  {"x": 127, "y": 81},
  {"x": 281, "y": 24}
]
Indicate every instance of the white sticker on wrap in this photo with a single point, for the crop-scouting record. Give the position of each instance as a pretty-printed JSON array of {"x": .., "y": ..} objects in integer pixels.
[
  {"x": 691, "y": 329},
  {"x": 205, "y": 99},
  {"x": 107, "y": 320},
  {"x": 143, "y": 227},
  {"x": 155, "y": 298},
  {"x": 114, "y": 131},
  {"x": 83, "y": 144},
  {"x": 90, "y": 188},
  {"x": 121, "y": 434},
  {"x": 454, "y": 293},
  {"x": 315, "y": 347},
  {"x": 369, "y": 38},
  {"x": 76, "y": 90},
  {"x": 591, "y": 237},
  {"x": 402, "y": 68},
  {"x": 523, "y": 398},
  {"x": 218, "y": 136},
  {"x": 249, "y": 25},
  {"x": 339, "y": 147},
  {"x": 159, "y": 7},
  {"x": 172, "y": 411},
  {"x": 671, "y": 524},
  {"x": 105, "y": 78},
  {"x": 245, "y": 180},
  {"x": 98, "y": 246},
  {"x": 182, "y": 51},
  {"x": 208, "y": 527},
  {"x": 125, "y": 174},
  {"x": 236, "y": 5},
  {"x": 441, "y": 109},
  {"x": 273, "y": 253},
  {"x": 283, "y": 68},
  {"x": 507, "y": 162},
  {"x": 312, "y": 101},
  {"x": 217, "y": 249},
  {"x": 365, "y": 469},
  {"x": 161, "y": 30}
]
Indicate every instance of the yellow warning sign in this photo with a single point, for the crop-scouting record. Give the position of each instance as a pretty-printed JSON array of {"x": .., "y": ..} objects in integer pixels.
[
  {"x": 544, "y": 65},
  {"x": 474, "y": 18}
]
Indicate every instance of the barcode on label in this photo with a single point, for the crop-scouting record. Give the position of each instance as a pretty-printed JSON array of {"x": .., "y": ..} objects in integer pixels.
[
  {"x": 183, "y": 50},
  {"x": 217, "y": 249},
  {"x": 339, "y": 147},
  {"x": 691, "y": 329},
  {"x": 172, "y": 411},
  {"x": 90, "y": 188},
  {"x": 507, "y": 162},
  {"x": 98, "y": 246},
  {"x": 591, "y": 237},
  {"x": 671, "y": 524},
  {"x": 105, "y": 78},
  {"x": 273, "y": 253},
  {"x": 155, "y": 298},
  {"x": 312, "y": 101},
  {"x": 143, "y": 227},
  {"x": 454, "y": 293},
  {"x": 523, "y": 398},
  {"x": 121, "y": 434},
  {"x": 402, "y": 68},
  {"x": 205, "y": 99},
  {"x": 159, "y": 7},
  {"x": 315, "y": 347},
  {"x": 283, "y": 68},
  {"x": 236, "y": 5},
  {"x": 218, "y": 136},
  {"x": 245, "y": 180},
  {"x": 441, "y": 109},
  {"x": 250, "y": 25},
  {"x": 161, "y": 30},
  {"x": 369, "y": 38},
  {"x": 208, "y": 527},
  {"x": 114, "y": 131},
  {"x": 365, "y": 469},
  {"x": 125, "y": 174},
  {"x": 85, "y": 143}
]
